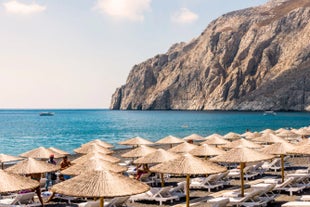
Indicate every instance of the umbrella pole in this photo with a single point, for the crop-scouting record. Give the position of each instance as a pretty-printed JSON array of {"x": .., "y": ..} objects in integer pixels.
[
  {"x": 187, "y": 190},
  {"x": 2, "y": 165},
  {"x": 162, "y": 180},
  {"x": 282, "y": 167},
  {"x": 242, "y": 164},
  {"x": 170, "y": 146},
  {"x": 101, "y": 202}
]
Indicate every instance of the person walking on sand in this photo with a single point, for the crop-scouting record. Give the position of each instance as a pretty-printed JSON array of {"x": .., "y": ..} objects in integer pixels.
[{"x": 50, "y": 176}]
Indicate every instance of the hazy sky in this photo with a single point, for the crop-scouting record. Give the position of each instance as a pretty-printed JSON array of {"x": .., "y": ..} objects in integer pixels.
[{"x": 75, "y": 53}]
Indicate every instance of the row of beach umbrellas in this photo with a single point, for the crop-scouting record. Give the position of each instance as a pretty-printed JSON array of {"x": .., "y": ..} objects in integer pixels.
[{"x": 98, "y": 155}]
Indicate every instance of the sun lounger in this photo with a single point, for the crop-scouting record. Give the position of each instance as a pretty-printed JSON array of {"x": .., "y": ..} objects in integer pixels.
[
  {"x": 296, "y": 204},
  {"x": 275, "y": 165},
  {"x": 156, "y": 194},
  {"x": 90, "y": 204},
  {"x": 178, "y": 190},
  {"x": 247, "y": 200},
  {"x": 209, "y": 183},
  {"x": 116, "y": 202},
  {"x": 18, "y": 199},
  {"x": 218, "y": 202},
  {"x": 290, "y": 185}
]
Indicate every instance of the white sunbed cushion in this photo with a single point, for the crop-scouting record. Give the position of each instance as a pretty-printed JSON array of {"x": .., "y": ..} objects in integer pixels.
[
  {"x": 6, "y": 201},
  {"x": 296, "y": 204}
]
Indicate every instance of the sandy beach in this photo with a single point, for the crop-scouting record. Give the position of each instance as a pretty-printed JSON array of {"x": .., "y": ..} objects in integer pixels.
[{"x": 199, "y": 197}]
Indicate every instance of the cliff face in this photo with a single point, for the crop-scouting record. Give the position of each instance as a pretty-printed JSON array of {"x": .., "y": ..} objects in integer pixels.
[{"x": 252, "y": 59}]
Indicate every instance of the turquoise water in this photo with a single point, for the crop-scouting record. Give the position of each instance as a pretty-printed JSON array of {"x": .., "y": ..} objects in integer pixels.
[{"x": 22, "y": 130}]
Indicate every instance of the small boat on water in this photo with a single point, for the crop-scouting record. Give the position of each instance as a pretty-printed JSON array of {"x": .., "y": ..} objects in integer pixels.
[
  {"x": 270, "y": 113},
  {"x": 46, "y": 114}
]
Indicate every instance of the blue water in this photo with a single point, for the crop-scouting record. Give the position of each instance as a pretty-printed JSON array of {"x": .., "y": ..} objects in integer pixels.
[{"x": 22, "y": 130}]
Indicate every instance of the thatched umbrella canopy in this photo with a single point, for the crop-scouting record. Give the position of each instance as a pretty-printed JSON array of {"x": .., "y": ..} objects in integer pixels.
[
  {"x": 93, "y": 148},
  {"x": 139, "y": 152},
  {"x": 215, "y": 139},
  {"x": 194, "y": 137},
  {"x": 241, "y": 155},
  {"x": 188, "y": 165},
  {"x": 280, "y": 148},
  {"x": 206, "y": 150},
  {"x": 303, "y": 142},
  {"x": 242, "y": 142},
  {"x": 95, "y": 155},
  {"x": 304, "y": 132},
  {"x": 268, "y": 131},
  {"x": 287, "y": 134},
  {"x": 159, "y": 156},
  {"x": 181, "y": 148},
  {"x": 136, "y": 141},
  {"x": 8, "y": 158},
  {"x": 41, "y": 153},
  {"x": 232, "y": 136},
  {"x": 170, "y": 140},
  {"x": 59, "y": 151},
  {"x": 301, "y": 150},
  {"x": 100, "y": 184},
  {"x": 251, "y": 135},
  {"x": 269, "y": 138},
  {"x": 32, "y": 166},
  {"x": 100, "y": 143},
  {"x": 10, "y": 182},
  {"x": 91, "y": 165},
  {"x": 280, "y": 130}
]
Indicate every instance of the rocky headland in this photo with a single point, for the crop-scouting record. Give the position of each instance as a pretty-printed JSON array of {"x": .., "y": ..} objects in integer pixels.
[{"x": 252, "y": 59}]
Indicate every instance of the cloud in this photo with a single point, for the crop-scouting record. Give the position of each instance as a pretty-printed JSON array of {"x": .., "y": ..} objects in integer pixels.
[
  {"x": 184, "y": 16},
  {"x": 132, "y": 10},
  {"x": 16, "y": 7}
]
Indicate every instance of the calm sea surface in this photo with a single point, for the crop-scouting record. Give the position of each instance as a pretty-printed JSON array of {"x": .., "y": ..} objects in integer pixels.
[{"x": 22, "y": 130}]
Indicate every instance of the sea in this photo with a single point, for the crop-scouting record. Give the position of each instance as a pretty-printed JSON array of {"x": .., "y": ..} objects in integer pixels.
[{"x": 23, "y": 130}]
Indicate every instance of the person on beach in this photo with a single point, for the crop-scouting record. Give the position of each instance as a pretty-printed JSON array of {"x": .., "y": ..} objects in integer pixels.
[
  {"x": 50, "y": 176},
  {"x": 141, "y": 169},
  {"x": 65, "y": 163}
]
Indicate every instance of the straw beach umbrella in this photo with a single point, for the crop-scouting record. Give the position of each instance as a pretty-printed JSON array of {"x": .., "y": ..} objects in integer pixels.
[
  {"x": 100, "y": 184},
  {"x": 206, "y": 150},
  {"x": 139, "y": 152},
  {"x": 95, "y": 155},
  {"x": 100, "y": 143},
  {"x": 242, "y": 142},
  {"x": 301, "y": 150},
  {"x": 91, "y": 165},
  {"x": 32, "y": 166},
  {"x": 268, "y": 131},
  {"x": 159, "y": 156},
  {"x": 170, "y": 140},
  {"x": 136, "y": 141},
  {"x": 188, "y": 165},
  {"x": 280, "y": 148},
  {"x": 59, "y": 151},
  {"x": 251, "y": 135},
  {"x": 269, "y": 138},
  {"x": 11, "y": 182},
  {"x": 303, "y": 132},
  {"x": 41, "y": 153},
  {"x": 241, "y": 155},
  {"x": 92, "y": 148},
  {"x": 182, "y": 148},
  {"x": 8, "y": 158},
  {"x": 215, "y": 139},
  {"x": 232, "y": 136},
  {"x": 194, "y": 137}
]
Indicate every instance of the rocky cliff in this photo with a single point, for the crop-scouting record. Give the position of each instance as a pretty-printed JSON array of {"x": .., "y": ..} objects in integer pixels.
[{"x": 252, "y": 59}]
